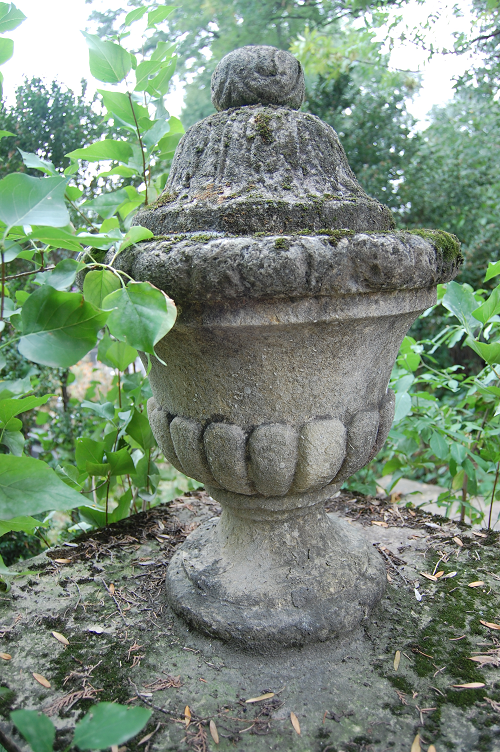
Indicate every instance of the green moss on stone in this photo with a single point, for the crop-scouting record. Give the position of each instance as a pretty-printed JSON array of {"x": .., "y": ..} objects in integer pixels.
[
  {"x": 282, "y": 243},
  {"x": 447, "y": 245},
  {"x": 263, "y": 128}
]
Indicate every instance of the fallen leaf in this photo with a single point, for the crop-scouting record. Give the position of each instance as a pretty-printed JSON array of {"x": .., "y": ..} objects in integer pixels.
[
  {"x": 379, "y": 523},
  {"x": 6, "y": 656},
  {"x": 267, "y": 696},
  {"x": 95, "y": 630},
  {"x": 489, "y": 624},
  {"x": 187, "y": 716},
  {"x": 495, "y": 705},
  {"x": 60, "y": 637},
  {"x": 429, "y": 576},
  {"x": 432, "y": 748},
  {"x": 458, "y": 541},
  {"x": 41, "y": 680},
  {"x": 62, "y": 561},
  {"x": 415, "y": 747},
  {"x": 457, "y": 638},
  {"x": 111, "y": 588},
  {"x": 413, "y": 514},
  {"x": 397, "y": 658},
  {"x": 214, "y": 732},
  {"x": 145, "y": 738},
  {"x": 295, "y": 722},
  {"x": 485, "y": 660},
  {"x": 480, "y": 535},
  {"x": 479, "y": 583},
  {"x": 418, "y": 595},
  {"x": 450, "y": 574},
  {"x": 470, "y": 685},
  {"x": 114, "y": 748},
  {"x": 389, "y": 578},
  {"x": 439, "y": 574}
]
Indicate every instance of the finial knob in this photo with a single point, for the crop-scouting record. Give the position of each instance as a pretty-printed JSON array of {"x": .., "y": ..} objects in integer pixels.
[{"x": 258, "y": 75}]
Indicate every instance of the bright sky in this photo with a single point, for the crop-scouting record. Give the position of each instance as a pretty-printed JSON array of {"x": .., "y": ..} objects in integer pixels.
[{"x": 49, "y": 45}]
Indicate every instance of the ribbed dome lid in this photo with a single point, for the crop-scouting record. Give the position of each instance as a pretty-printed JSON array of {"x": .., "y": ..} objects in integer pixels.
[{"x": 261, "y": 166}]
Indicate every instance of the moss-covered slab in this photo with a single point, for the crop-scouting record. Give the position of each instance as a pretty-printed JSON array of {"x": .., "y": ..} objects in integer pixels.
[{"x": 126, "y": 646}]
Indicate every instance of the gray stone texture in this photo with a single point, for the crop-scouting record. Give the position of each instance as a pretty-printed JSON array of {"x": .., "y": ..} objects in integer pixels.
[
  {"x": 275, "y": 389},
  {"x": 262, "y": 169},
  {"x": 258, "y": 75}
]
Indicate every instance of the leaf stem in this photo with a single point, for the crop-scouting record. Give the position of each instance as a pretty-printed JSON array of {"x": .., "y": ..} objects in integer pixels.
[
  {"x": 144, "y": 170},
  {"x": 493, "y": 495}
]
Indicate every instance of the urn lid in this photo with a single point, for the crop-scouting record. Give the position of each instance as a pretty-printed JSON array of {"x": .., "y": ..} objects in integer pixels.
[{"x": 259, "y": 164}]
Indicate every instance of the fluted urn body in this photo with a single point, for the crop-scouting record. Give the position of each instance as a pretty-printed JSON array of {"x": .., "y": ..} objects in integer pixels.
[{"x": 294, "y": 294}]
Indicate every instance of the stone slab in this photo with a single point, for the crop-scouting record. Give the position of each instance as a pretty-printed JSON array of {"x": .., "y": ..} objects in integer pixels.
[{"x": 345, "y": 693}]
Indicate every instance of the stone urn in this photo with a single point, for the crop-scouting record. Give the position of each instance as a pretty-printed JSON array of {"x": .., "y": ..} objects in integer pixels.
[{"x": 294, "y": 293}]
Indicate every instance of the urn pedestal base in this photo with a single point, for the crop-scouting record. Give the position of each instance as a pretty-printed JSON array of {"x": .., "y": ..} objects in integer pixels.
[{"x": 268, "y": 577}]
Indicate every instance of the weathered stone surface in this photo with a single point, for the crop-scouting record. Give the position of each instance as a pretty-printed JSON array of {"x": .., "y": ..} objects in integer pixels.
[
  {"x": 309, "y": 579},
  {"x": 273, "y": 457},
  {"x": 262, "y": 169},
  {"x": 225, "y": 446},
  {"x": 214, "y": 269},
  {"x": 321, "y": 453},
  {"x": 187, "y": 438},
  {"x": 258, "y": 75},
  {"x": 361, "y": 436}
]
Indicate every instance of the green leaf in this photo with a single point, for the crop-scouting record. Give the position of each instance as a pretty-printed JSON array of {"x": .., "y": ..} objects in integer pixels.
[
  {"x": 155, "y": 134},
  {"x": 122, "y": 170},
  {"x": 29, "y": 486},
  {"x": 140, "y": 430},
  {"x": 108, "y": 148},
  {"x": 13, "y": 440},
  {"x": 63, "y": 275},
  {"x": 163, "y": 50},
  {"x": 107, "y": 204},
  {"x": 403, "y": 406},
  {"x": 135, "y": 15},
  {"x": 105, "y": 410},
  {"x": 88, "y": 450},
  {"x": 493, "y": 270},
  {"x": 6, "y": 50},
  {"x": 98, "y": 284},
  {"x": 159, "y": 85},
  {"x": 144, "y": 71},
  {"x": 122, "y": 107},
  {"x": 33, "y": 201},
  {"x": 141, "y": 315},
  {"x": 461, "y": 302},
  {"x": 490, "y": 308},
  {"x": 168, "y": 144},
  {"x": 36, "y": 163},
  {"x": 12, "y": 407},
  {"x": 489, "y": 353},
  {"x": 439, "y": 445},
  {"x": 109, "y": 62},
  {"x": 57, "y": 237},
  {"x": 120, "y": 462},
  {"x": 108, "y": 724},
  {"x": 73, "y": 192},
  {"x": 6, "y": 134},
  {"x": 11, "y": 250},
  {"x": 135, "y": 235},
  {"x": 21, "y": 525},
  {"x": 120, "y": 355},
  {"x": 59, "y": 328},
  {"x": 10, "y": 17},
  {"x": 159, "y": 14},
  {"x": 458, "y": 452},
  {"x": 36, "y": 728}
]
